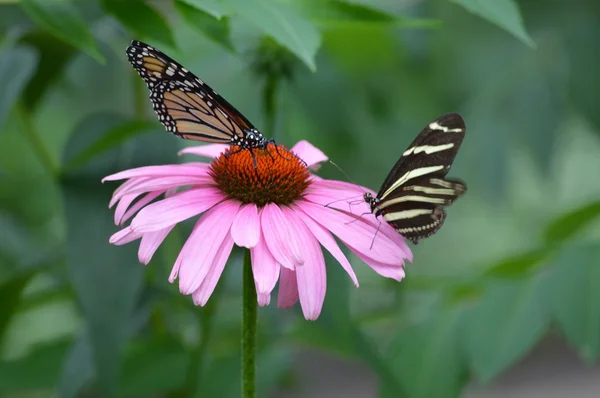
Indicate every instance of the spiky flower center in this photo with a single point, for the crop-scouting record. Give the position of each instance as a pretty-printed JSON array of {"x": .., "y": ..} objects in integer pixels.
[{"x": 261, "y": 176}]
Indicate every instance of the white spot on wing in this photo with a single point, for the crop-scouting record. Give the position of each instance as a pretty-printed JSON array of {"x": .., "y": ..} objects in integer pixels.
[
  {"x": 437, "y": 126},
  {"x": 428, "y": 149}
]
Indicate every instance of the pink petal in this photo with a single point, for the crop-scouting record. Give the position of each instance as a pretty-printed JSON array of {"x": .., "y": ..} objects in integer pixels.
[
  {"x": 208, "y": 151},
  {"x": 121, "y": 212},
  {"x": 187, "y": 169},
  {"x": 203, "y": 293},
  {"x": 329, "y": 243},
  {"x": 124, "y": 236},
  {"x": 265, "y": 270},
  {"x": 202, "y": 247},
  {"x": 121, "y": 189},
  {"x": 245, "y": 230},
  {"x": 179, "y": 207},
  {"x": 150, "y": 242},
  {"x": 162, "y": 184},
  {"x": 311, "y": 276},
  {"x": 355, "y": 233},
  {"x": 389, "y": 271},
  {"x": 263, "y": 299},
  {"x": 123, "y": 205},
  {"x": 282, "y": 240},
  {"x": 175, "y": 271},
  {"x": 311, "y": 155},
  {"x": 288, "y": 289}
]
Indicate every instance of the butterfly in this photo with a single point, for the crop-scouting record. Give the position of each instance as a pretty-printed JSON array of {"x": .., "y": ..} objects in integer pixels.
[
  {"x": 413, "y": 195},
  {"x": 188, "y": 107}
]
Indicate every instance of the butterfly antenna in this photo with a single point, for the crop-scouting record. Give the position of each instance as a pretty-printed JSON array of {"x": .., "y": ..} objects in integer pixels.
[
  {"x": 374, "y": 236},
  {"x": 343, "y": 172}
]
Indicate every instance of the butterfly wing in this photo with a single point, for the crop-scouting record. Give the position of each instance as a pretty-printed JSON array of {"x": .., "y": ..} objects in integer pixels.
[
  {"x": 416, "y": 211},
  {"x": 413, "y": 196},
  {"x": 185, "y": 105}
]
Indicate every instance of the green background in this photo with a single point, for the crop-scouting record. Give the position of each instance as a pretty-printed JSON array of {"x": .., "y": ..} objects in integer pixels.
[{"x": 517, "y": 259}]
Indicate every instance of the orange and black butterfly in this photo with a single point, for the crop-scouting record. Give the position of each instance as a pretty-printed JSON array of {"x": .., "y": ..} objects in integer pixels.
[{"x": 187, "y": 106}]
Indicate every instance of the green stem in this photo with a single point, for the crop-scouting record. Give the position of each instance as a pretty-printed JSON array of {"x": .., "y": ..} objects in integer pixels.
[
  {"x": 38, "y": 146},
  {"x": 249, "y": 312}
]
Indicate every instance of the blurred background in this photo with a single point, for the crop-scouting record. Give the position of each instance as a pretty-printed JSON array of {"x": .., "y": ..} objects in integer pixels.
[{"x": 503, "y": 302}]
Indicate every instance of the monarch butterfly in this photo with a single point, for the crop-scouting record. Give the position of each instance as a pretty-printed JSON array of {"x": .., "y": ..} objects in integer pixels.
[
  {"x": 187, "y": 106},
  {"x": 413, "y": 195}
]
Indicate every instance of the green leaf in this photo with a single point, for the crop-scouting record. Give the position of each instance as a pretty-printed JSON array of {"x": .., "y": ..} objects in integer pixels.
[
  {"x": 141, "y": 19},
  {"x": 10, "y": 297},
  {"x": 430, "y": 351},
  {"x": 112, "y": 138},
  {"x": 566, "y": 226},
  {"x": 340, "y": 13},
  {"x": 78, "y": 369},
  {"x": 504, "y": 13},
  {"x": 284, "y": 25},
  {"x": 577, "y": 307},
  {"x": 38, "y": 370},
  {"x": 106, "y": 278},
  {"x": 55, "y": 55},
  {"x": 153, "y": 368},
  {"x": 216, "y": 30},
  {"x": 519, "y": 265},
  {"x": 61, "y": 19},
  {"x": 211, "y": 7},
  {"x": 16, "y": 68},
  {"x": 510, "y": 319}
]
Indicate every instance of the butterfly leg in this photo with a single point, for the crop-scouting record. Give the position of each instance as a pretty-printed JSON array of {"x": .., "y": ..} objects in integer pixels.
[
  {"x": 374, "y": 236},
  {"x": 358, "y": 217}
]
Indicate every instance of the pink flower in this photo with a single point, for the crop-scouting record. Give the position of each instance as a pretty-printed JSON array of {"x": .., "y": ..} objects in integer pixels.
[{"x": 277, "y": 210}]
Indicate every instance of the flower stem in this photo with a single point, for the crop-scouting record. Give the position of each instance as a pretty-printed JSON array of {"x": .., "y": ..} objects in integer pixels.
[{"x": 249, "y": 312}]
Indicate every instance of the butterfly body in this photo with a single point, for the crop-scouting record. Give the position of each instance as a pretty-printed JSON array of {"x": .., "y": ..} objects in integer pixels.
[
  {"x": 413, "y": 195},
  {"x": 186, "y": 106}
]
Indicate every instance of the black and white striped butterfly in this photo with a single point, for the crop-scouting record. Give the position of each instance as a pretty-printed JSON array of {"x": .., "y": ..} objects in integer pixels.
[
  {"x": 413, "y": 196},
  {"x": 187, "y": 106}
]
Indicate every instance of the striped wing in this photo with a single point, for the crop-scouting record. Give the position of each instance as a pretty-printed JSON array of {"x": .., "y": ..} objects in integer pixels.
[
  {"x": 185, "y": 105},
  {"x": 414, "y": 194}
]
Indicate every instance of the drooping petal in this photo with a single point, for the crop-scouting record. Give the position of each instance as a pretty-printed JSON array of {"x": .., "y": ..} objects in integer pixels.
[
  {"x": 203, "y": 293},
  {"x": 162, "y": 184},
  {"x": 208, "y": 151},
  {"x": 311, "y": 276},
  {"x": 389, "y": 271},
  {"x": 123, "y": 212},
  {"x": 150, "y": 242},
  {"x": 329, "y": 243},
  {"x": 311, "y": 155},
  {"x": 354, "y": 233},
  {"x": 265, "y": 270},
  {"x": 177, "y": 208},
  {"x": 349, "y": 200},
  {"x": 282, "y": 240},
  {"x": 288, "y": 289},
  {"x": 202, "y": 247},
  {"x": 191, "y": 168},
  {"x": 125, "y": 235},
  {"x": 245, "y": 230}
]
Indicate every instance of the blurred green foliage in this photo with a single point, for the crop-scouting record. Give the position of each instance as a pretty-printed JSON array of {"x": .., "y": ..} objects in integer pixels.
[{"x": 517, "y": 258}]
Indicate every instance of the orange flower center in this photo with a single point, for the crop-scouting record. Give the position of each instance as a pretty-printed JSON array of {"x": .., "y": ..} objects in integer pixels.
[{"x": 279, "y": 177}]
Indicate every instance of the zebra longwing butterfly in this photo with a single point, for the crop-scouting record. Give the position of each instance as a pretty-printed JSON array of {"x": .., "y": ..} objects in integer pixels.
[
  {"x": 188, "y": 107},
  {"x": 413, "y": 196}
]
